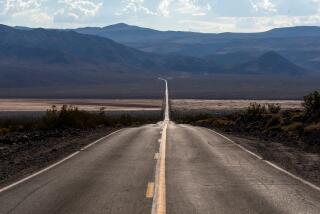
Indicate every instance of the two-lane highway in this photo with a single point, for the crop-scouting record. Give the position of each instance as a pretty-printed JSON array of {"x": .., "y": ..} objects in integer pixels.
[{"x": 161, "y": 168}]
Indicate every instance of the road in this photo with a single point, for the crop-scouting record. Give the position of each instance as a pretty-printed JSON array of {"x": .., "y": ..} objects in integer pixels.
[{"x": 190, "y": 170}]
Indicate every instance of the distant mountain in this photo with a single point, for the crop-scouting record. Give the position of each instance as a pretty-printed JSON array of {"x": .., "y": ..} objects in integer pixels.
[
  {"x": 66, "y": 47},
  {"x": 228, "y": 60},
  {"x": 131, "y": 34},
  {"x": 271, "y": 63},
  {"x": 39, "y": 56},
  {"x": 127, "y": 33},
  {"x": 299, "y": 44},
  {"x": 299, "y": 31},
  {"x": 23, "y": 28},
  {"x": 47, "y": 62}
]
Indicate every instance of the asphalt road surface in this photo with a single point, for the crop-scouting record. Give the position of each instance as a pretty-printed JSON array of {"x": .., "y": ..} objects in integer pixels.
[
  {"x": 109, "y": 177},
  {"x": 204, "y": 174},
  {"x": 207, "y": 174},
  {"x": 161, "y": 168}
]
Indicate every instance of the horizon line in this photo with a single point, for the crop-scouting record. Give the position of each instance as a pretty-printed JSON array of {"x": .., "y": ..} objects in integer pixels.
[{"x": 143, "y": 27}]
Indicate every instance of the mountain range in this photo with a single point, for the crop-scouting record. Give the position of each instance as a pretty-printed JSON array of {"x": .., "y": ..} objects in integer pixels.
[
  {"x": 299, "y": 44},
  {"x": 122, "y": 53}
]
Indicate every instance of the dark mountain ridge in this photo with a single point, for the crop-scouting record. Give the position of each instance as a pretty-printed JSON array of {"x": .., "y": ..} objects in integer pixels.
[
  {"x": 73, "y": 46},
  {"x": 130, "y": 34},
  {"x": 300, "y": 44},
  {"x": 47, "y": 54},
  {"x": 65, "y": 63},
  {"x": 271, "y": 63},
  {"x": 67, "y": 47}
]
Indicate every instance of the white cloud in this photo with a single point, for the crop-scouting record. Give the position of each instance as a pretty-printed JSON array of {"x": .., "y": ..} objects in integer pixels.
[
  {"x": 192, "y": 7},
  {"x": 263, "y": 5},
  {"x": 248, "y": 24},
  {"x": 41, "y": 18},
  {"x": 135, "y": 6},
  {"x": 65, "y": 16},
  {"x": 28, "y": 11},
  {"x": 225, "y": 24},
  {"x": 187, "y": 7},
  {"x": 77, "y": 10},
  {"x": 164, "y": 7},
  {"x": 10, "y": 7}
]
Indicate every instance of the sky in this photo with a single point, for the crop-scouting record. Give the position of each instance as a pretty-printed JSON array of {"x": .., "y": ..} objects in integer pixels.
[{"x": 184, "y": 15}]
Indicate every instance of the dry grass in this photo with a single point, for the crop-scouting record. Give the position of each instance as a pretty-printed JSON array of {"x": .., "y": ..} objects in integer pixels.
[
  {"x": 192, "y": 104},
  {"x": 313, "y": 128}
]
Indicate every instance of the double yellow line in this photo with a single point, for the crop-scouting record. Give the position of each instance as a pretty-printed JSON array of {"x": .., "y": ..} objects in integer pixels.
[{"x": 159, "y": 199}]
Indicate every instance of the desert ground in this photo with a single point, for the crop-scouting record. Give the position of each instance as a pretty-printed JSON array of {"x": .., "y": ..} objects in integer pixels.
[
  {"x": 16, "y": 105},
  {"x": 83, "y": 104},
  {"x": 192, "y": 104}
]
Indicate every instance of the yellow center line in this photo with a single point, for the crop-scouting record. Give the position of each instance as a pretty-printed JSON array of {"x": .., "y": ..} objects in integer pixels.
[
  {"x": 159, "y": 200},
  {"x": 150, "y": 190},
  {"x": 162, "y": 179}
]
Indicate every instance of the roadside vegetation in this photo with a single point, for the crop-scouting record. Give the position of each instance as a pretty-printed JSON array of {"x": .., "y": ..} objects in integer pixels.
[
  {"x": 295, "y": 128},
  {"x": 71, "y": 117}
]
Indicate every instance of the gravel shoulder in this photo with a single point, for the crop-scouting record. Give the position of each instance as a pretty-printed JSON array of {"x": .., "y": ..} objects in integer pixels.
[
  {"x": 21, "y": 154},
  {"x": 301, "y": 163}
]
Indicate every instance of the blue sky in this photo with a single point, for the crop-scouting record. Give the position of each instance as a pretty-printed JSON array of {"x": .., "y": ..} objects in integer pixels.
[{"x": 186, "y": 15}]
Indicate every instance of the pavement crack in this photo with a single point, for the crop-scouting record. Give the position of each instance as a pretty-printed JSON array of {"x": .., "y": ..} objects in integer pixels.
[{"x": 28, "y": 195}]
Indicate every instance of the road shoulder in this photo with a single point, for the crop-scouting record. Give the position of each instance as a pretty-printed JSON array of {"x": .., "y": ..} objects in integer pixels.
[
  {"x": 24, "y": 158},
  {"x": 300, "y": 163}
]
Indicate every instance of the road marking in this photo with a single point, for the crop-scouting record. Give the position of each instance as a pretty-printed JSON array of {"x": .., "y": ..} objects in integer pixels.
[
  {"x": 241, "y": 147},
  {"x": 38, "y": 173},
  {"x": 101, "y": 139},
  {"x": 156, "y": 156},
  {"x": 293, "y": 176},
  {"x": 159, "y": 199},
  {"x": 150, "y": 190},
  {"x": 55, "y": 164},
  {"x": 313, "y": 186}
]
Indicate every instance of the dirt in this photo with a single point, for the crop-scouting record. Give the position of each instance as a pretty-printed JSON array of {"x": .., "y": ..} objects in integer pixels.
[
  {"x": 301, "y": 163},
  {"x": 136, "y": 104},
  {"x": 26, "y": 152},
  {"x": 233, "y": 105},
  {"x": 83, "y": 104}
]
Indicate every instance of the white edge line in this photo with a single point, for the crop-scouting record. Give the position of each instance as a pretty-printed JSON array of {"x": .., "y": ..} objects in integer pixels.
[
  {"x": 56, "y": 164},
  {"x": 271, "y": 164},
  {"x": 293, "y": 176},
  {"x": 97, "y": 141},
  {"x": 38, "y": 173},
  {"x": 241, "y": 147}
]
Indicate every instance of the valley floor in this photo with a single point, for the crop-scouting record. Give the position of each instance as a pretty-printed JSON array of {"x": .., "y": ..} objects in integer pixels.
[{"x": 29, "y": 105}]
